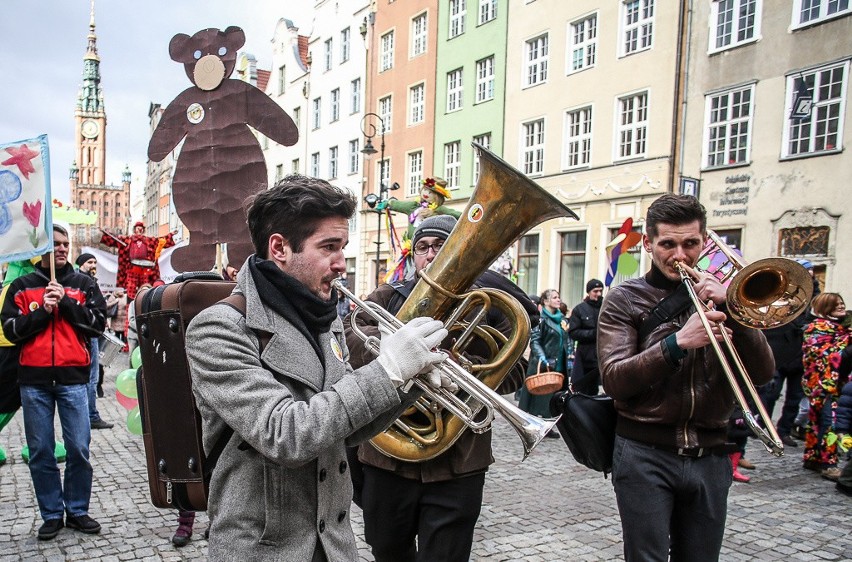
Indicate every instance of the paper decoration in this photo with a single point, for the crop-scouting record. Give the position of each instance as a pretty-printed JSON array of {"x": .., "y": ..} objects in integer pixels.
[
  {"x": 620, "y": 260},
  {"x": 26, "y": 227},
  {"x": 73, "y": 215}
]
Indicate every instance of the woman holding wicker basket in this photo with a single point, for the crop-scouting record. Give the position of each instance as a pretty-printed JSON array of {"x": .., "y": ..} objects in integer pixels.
[{"x": 551, "y": 358}]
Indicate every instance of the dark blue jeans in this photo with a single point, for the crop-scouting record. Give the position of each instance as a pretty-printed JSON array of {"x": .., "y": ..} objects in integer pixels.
[
  {"x": 92, "y": 387},
  {"x": 670, "y": 503},
  {"x": 39, "y": 402}
]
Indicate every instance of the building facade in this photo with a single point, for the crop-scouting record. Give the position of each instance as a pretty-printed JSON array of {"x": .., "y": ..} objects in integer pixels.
[{"x": 765, "y": 128}]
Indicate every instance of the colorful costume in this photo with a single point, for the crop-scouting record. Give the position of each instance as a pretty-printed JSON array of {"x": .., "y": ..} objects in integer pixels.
[
  {"x": 137, "y": 258},
  {"x": 431, "y": 202},
  {"x": 824, "y": 340}
]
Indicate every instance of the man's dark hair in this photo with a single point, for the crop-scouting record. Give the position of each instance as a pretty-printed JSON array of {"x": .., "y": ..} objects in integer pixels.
[
  {"x": 293, "y": 208},
  {"x": 60, "y": 230},
  {"x": 677, "y": 210}
]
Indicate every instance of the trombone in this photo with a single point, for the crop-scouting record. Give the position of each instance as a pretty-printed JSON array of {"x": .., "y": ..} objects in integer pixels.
[{"x": 765, "y": 294}]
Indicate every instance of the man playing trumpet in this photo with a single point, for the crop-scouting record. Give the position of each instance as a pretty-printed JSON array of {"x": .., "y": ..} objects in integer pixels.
[{"x": 671, "y": 470}]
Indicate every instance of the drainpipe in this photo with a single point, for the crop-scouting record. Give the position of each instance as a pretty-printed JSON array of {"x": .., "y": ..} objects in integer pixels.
[{"x": 684, "y": 27}]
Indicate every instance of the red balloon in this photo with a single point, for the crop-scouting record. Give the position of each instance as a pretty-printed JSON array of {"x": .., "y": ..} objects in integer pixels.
[{"x": 126, "y": 402}]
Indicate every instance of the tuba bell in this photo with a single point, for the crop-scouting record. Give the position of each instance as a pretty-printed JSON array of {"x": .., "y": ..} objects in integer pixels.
[{"x": 504, "y": 205}]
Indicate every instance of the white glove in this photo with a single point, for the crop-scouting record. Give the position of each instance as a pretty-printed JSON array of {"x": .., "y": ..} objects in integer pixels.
[
  {"x": 438, "y": 380},
  {"x": 408, "y": 351}
]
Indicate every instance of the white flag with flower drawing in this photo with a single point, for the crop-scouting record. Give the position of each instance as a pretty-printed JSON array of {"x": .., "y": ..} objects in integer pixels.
[{"x": 25, "y": 211}]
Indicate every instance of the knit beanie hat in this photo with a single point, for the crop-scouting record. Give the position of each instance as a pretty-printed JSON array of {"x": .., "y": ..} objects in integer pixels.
[
  {"x": 84, "y": 258},
  {"x": 593, "y": 284},
  {"x": 439, "y": 226}
]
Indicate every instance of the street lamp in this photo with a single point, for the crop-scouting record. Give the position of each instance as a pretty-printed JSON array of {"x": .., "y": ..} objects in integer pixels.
[{"x": 377, "y": 202}]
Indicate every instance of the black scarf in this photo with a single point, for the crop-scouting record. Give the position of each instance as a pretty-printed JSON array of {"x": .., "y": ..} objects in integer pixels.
[{"x": 290, "y": 299}]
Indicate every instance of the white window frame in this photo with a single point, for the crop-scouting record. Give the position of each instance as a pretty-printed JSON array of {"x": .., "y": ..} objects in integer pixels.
[
  {"x": 417, "y": 104},
  {"x": 386, "y": 111},
  {"x": 728, "y": 122},
  {"x": 532, "y": 147},
  {"x": 414, "y": 173},
  {"x": 817, "y": 144},
  {"x": 458, "y": 15},
  {"x": 577, "y": 143},
  {"x": 345, "y": 36},
  {"x": 485, "y": 141},
  {"x": 386, "y": 49},
  {"x": 487, "y": 11},
  {"x": 636, "y": 126},
  {"x": 485, "y": 79},
  {"x": 455, "y": 90},
  {"x": 328, "y": 48},
  {"x": 282, "y": 79},
  {"x": 419, "y": 34},
  {"x": 316, "y": 113},
  {"x": 332, "y": 162},
  {"x": 355, "y": 96},
  {"x": 727, "y": 20},
  {"x": 354, "y": 156},
  {"x": 452, "y": 164},
  {"x": 637, "y": 26},
  {"x": 582, "y": 44},
  {"x": 315, "y": 164},
  {"x": 819, "y": 12},
  {"x": 335, "y": 105},
  {"x": 536, "y": 52}
]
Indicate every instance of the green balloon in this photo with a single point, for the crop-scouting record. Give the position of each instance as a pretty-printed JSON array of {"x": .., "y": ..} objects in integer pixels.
[
  {"x": 125, "y": 383},
  {"x": 134, "y": 421},
  {"x": 136, "y": 358}
]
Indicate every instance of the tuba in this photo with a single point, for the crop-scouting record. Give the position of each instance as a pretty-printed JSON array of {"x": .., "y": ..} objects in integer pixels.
[{"x": 504, "y": 205}]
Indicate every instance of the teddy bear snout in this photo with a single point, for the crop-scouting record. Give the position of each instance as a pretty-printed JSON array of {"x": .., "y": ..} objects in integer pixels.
[{"x": 209, "y": 72}]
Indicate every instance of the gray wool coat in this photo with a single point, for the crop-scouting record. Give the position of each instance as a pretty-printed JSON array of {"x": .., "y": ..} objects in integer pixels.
[{"x": 282, "y": 487}]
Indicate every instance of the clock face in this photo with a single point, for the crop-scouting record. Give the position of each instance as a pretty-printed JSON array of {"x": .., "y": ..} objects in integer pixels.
[{"x": 90, "y": 129}]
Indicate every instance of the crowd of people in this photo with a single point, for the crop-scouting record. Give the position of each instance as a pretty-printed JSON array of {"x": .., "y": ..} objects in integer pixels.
[{"x": 306, "y": 412}]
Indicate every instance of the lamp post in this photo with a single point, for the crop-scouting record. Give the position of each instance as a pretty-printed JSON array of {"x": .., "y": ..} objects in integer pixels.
[{"x": 368, "y": 127}]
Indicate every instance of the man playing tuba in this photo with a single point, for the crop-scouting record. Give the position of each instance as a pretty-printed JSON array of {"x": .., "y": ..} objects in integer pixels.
[{"x": 436, "y": 501}]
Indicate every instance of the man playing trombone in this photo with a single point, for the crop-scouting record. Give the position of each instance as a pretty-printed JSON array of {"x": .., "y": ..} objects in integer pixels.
[{"x": 671, "y": 470}]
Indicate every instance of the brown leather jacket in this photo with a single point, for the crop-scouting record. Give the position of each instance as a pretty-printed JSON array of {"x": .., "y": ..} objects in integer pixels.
[
  {"x": 472, "y": 452},
  {"x": 660, "y": 401}
]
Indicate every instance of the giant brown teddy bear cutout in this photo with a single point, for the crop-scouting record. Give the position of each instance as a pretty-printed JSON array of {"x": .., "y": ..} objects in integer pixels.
[{"x": 221, "y": 163}]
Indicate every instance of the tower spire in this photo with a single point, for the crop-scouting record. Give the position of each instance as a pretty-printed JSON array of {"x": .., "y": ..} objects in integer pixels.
[{"x": 90, "y": 99}]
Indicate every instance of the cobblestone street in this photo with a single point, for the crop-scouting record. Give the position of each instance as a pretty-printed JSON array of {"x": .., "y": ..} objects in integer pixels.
[{"x": 546, "y": 508}]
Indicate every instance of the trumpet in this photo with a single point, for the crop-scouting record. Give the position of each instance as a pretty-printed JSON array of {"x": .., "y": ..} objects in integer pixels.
[
  {"x": 765, "y": 294},
  {"x": 531, "y": 429}
]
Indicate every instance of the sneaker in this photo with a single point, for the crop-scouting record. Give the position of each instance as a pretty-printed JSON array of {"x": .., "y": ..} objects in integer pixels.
[
  {"x": 101, "y": 424},
  {"x": 50, "y": 529},
  {"x": 100, "y": 391},
  {"x": 83, "y": 523},
  {"x": 789, "y": 441},
  {"x": 831, "y": 473}
]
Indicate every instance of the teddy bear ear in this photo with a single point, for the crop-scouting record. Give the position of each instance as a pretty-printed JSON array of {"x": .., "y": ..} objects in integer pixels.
[
  {"x": 236, "y": 37},
  {"x": 180, "y": 49}
]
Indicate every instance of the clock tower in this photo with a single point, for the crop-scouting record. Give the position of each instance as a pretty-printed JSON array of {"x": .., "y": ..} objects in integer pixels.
[{"x": 88, "y": 172}]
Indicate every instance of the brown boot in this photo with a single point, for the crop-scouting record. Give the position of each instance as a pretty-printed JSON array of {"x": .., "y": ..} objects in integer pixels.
[{"x": 738, "y": 476}]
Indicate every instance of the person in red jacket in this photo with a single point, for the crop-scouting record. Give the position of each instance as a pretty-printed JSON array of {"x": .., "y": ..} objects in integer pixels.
[
  {"x": 137, "y": 257},
  {"x": 52, "y": 320}
]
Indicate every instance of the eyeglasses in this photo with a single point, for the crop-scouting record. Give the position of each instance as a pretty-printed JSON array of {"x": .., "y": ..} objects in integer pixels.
[{"x": 423, "y": 249}]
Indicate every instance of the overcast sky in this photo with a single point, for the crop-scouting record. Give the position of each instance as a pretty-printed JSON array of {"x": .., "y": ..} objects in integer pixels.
[{"x": 42, "y": 44}]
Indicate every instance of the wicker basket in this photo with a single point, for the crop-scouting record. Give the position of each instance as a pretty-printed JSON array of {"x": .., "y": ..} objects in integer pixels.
[{"x": 545, "y": 382}]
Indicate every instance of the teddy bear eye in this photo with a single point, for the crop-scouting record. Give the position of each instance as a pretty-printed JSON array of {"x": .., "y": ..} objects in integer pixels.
[
  {"x": 196, "y": 55},
  {"x": 222, "y": 51}
]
